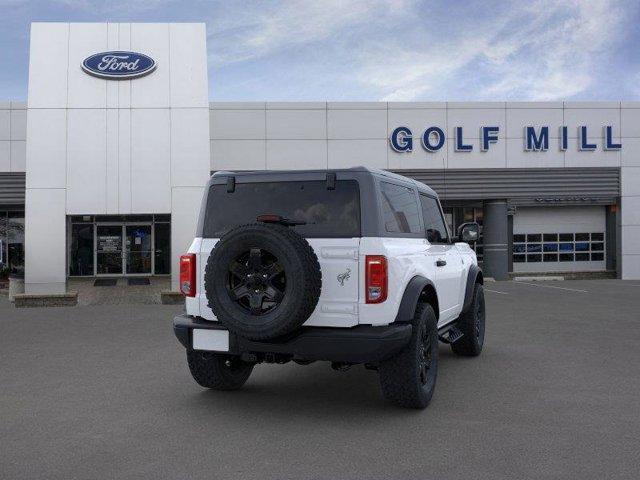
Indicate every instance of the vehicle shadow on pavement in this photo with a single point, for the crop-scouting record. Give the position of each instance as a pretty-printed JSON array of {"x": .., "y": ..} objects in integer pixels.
[{"x": 292, "y": 390}]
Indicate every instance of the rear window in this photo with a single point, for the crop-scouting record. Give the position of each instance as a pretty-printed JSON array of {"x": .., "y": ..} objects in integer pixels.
[{"x": 328, "y": 213}]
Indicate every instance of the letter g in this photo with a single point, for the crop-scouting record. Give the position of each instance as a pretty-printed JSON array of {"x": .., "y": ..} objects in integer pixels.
[{"x": 401, "y": 139}]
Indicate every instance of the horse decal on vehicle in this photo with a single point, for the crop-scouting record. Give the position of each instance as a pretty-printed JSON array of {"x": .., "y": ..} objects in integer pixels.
[{"x": 344, "y": 276}]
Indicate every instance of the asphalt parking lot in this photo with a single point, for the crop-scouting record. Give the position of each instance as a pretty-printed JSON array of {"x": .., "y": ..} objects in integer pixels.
[{"x": 104, "y": 392}]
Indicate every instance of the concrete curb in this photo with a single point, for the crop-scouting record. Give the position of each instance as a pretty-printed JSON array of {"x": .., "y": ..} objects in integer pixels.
[
  {"x": 609, "y": 274},
  {"x": 24, "y": 300},
  {"x": 538, "y": 278}
]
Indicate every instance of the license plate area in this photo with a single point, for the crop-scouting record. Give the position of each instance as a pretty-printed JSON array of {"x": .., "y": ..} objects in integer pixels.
[{"x": 210, "y": 340}]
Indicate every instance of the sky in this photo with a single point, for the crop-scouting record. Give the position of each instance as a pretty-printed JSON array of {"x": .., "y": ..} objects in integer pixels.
[{"x": 377, "y": 50}]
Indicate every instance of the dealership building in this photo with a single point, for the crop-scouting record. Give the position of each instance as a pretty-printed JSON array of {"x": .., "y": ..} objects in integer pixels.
[{"x": 102, "y": 169}]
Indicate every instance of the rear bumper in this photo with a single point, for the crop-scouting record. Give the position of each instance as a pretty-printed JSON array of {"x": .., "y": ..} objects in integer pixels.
[{"x": 360, "y": 344}]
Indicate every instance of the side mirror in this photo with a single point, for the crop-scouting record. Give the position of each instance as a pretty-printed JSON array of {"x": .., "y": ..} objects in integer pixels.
[{"x": 469, "y": 232}]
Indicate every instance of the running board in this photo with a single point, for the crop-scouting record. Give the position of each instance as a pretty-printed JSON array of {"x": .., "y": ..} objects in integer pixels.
[{"x": 451, "y": 335}]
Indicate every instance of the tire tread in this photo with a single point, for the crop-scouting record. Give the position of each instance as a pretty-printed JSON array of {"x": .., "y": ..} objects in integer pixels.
[
  {"x": 468, "y": 345},
  {"x": 399, "y": 377}
]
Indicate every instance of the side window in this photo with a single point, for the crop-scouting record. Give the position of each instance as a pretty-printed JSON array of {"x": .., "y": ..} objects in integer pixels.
[
  {"x": 399, "y": 209},
  {"x": 433, "y": 221}
]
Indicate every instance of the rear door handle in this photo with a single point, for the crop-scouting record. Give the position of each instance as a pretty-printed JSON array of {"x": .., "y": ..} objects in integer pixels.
[{"x": 441, "y": 263}]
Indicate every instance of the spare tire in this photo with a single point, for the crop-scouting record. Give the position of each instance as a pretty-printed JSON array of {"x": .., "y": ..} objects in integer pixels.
[{"x": 262, "y": 280}]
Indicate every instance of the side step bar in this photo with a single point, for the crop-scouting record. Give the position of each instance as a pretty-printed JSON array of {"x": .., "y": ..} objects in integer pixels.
[{"x": 450, "y": 335}]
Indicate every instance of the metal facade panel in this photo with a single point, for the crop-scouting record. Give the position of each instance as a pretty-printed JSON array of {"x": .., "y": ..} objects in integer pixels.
[
  {"x": 12, "y": 189},
  {"x": 522, "y": 185}
]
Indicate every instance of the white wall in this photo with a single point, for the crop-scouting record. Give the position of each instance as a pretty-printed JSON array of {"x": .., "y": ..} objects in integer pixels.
[
  {"x": 630, "y": 215},
  {"x": 325, "y": 134},
  {"x": 13, "y": 135},
  {"x": 258, "y": 135},
  {"x": 113, "y": 147}
]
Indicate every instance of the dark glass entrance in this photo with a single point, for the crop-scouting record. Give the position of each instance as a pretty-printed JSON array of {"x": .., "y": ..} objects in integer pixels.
[
  {"x": 113, "y": 245},
  {"x": 11, "y": 242},
  {"x": 138, "y": 248},
  {"x": 163, "y": 248},
  {"x": 109, "y": 249},
  {"x": 81, "y": 253}
]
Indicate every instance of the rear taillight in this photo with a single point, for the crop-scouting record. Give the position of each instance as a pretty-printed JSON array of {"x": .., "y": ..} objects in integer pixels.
[
  {"x": 376, "y": 280},
  {"x": 188, "y": 274}
]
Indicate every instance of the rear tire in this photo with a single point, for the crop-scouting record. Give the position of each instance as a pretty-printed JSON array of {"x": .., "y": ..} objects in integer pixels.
[
  {"x": 409, "y": 378},
  {"x": 471, "y": 324},
  {"x": 217, "y": 371}
]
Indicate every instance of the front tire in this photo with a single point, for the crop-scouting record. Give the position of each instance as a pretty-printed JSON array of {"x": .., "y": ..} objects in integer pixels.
[
  {"x": 471, "y": 324},
  {"x": 409, "y": 378},
  {"x": 218, "y": 371}
]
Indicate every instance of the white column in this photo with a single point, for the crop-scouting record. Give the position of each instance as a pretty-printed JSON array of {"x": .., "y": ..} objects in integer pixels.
[
  {"x": 190, "y": 158},
  {"x": 185, "y": 206},
  {"x": 630, "y": 223},
  {"x": 630, "y": 194},
  {"x": 45, "y": 241},
  {"x": 98, "y": 147},
  {"x": 189, "y": 174},
  {"x": 45, "y": 208}
]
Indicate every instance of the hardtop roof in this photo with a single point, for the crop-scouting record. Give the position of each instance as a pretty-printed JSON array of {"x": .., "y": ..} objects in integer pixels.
[{"x": 373, "y": 171}]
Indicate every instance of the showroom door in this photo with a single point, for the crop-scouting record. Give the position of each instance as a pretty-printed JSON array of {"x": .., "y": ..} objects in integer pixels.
[
  {"x": 109, "y": 250},
  {"x": 124, "y": 249},
  {"x": 138, "y": 249}
]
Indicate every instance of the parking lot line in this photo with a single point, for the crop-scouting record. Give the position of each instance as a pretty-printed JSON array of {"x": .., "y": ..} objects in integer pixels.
[
  {"x": 495, "y": 291},
  {"x": 552, "y": 286}
]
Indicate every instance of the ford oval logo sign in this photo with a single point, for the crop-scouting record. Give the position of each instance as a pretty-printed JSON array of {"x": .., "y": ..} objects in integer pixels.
[{"x": 118, "y": 65}]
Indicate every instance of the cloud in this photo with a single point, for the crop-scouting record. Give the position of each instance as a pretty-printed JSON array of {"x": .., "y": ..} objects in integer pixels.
[
  {"x": 104, "y": 7},
  {"x": 548, "y": 50},
  {"x": 262, "y": 28},
  {"x": 556, "y": 57},
  {"x": 399, "y": 50},
  {"x": 409, "y": 50}
]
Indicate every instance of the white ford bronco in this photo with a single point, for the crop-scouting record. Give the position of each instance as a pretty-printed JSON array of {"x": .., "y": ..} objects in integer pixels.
[{"x": 352, "y": 266}]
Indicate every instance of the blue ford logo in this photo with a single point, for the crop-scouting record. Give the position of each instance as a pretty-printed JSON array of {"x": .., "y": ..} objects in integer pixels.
[{"x": 118, "y": 65}]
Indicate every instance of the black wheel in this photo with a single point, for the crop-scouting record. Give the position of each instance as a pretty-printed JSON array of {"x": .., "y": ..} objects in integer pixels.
[
  {"x": 218, "y": 371},
  {"x": 471, "y": 324},
  {"x": 409, "y": 378},
  {"x": 262, "y": 281}
]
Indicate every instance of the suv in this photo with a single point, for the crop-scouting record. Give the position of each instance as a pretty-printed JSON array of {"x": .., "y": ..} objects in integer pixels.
[{"x": 349, "y": 266}]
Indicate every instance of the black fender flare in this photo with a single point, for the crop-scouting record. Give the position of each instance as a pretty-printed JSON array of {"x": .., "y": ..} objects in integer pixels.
[
  {"x": 474, "y": 276},
  {"x": 411, "y": 297}
]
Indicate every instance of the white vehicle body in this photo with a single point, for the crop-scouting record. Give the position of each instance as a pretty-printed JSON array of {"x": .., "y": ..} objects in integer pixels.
[
  {"x": 342, "y": 302},
  {"x": 351, "y": 266}
]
